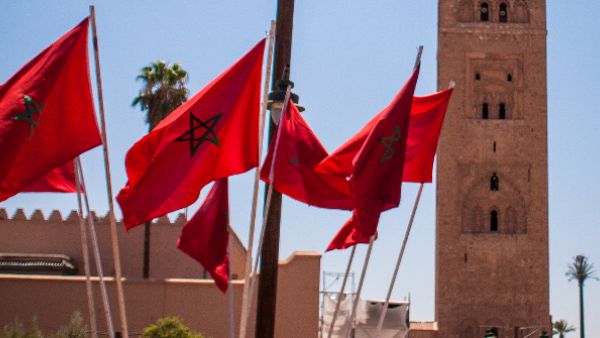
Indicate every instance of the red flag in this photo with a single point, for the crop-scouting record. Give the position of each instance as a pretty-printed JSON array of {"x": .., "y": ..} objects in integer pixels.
[
  {"x": 426, "y": 119},
  {"x": 211, "y": 136},
  {"x": 298, "y": 152},
  {"x": 61, "y": 179},
  {"x": 377, "y": 166},
  {"x": 46, "y": 113},
  {"x": 205, "y": 236}
]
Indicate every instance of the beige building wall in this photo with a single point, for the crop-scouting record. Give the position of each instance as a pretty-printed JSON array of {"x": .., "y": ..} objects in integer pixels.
[
  {"x": 488, "y": 277},
  {"x": 173, "y": 289}
]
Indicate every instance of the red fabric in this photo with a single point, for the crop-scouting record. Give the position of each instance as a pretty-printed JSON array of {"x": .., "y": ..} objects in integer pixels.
[
  {"x": 61, "y": 179},
  {"x": 166, "y": 171},
  {"x": 205, "y": 236},
  {"x": 377, "y": 166},
  {"x": 298, "y": 152},
  {"x": 426, "y": 119},
  {"x": 46, "y": 113}
]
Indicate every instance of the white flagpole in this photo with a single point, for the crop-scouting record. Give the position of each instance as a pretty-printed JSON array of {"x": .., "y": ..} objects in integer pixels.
[
  {"x": 398, "y": 261},
  {"x": 246, "y": 302},
  {"x": 86, "y": 258},
  {"x": 109, "y": 192},
  {"x": 360, "y": 285},
  {"x": 96, "y": 251},
  {"x": 341, "y": 294}
]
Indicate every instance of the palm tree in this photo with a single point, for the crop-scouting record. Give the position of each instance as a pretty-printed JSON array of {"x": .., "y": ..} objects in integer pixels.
[
  {"x": 163, "y": 90},
  {"x": 581, "y": 270},
  {"x": 561, "y": 327}
]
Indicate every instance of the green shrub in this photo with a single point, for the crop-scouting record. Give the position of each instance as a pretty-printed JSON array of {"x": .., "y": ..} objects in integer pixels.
[
  {"x": 75, "y": 329},
  {"x": 169, "y": 327},
  {"x": 17, "y": 330}
]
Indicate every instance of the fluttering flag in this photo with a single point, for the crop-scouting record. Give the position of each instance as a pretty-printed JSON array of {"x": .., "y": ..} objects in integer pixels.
[
  {"x": 375, "y": 169},
  {"x": 61, "y": 179},
  {"x": 205, "y": 236},
  {"x": 426, "y": 119},
  {"x": 298, "y": 153},
  {"x": 46, "y": 113},
  {"x": 211, "y": 136}
]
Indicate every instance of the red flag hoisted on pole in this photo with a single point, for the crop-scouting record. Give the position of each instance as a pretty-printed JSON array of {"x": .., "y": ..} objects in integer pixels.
[
  {"x": 426, "y": 119},
  {"x": 376, "y": 167},
  {"x": 205, "y": 236},
  {"x": 211, "y": 136},
  {"x": 298, "y": 153},
  {"x": 46, "y": 113},
  {"x": 61, "y": 179}
]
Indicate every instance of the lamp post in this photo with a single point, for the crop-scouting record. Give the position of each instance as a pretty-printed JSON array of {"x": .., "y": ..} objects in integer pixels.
[{"x": 491, "y": 333}]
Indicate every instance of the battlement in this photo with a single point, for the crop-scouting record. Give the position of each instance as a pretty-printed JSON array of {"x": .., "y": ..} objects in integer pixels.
[{"x": 56, "y": 217}]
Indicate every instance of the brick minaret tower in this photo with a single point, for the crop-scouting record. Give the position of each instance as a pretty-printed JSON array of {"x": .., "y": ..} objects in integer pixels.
[{"x": 492, "y": 176}]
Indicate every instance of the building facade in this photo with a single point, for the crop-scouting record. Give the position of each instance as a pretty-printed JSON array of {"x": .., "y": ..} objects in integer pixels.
[{"x": 492, "y": 176}]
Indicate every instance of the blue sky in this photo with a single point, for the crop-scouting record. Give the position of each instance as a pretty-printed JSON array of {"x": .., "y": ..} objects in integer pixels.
[{"x": 348, "y": 60}]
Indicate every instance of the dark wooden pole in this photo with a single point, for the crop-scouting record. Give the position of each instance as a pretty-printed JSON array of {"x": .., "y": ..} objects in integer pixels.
[{"x": 267, "y": 284}]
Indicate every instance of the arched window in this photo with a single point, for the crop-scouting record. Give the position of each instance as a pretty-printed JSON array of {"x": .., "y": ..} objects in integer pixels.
[
  {"x": 494, "y": 221},
  {"x": 477, "y": 76},
  {"x": 484, "y": 12},
  {"x": 509, "y": 77},
  {"x": 502, "y": 111},
  {"x": 503, "y": 13},
  {"x": 485, "y": 111},
  {"x": 494, "y": 182}
]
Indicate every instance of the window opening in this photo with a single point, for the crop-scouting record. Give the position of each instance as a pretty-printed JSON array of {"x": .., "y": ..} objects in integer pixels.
[
  {"x": 477, "y": 76},
  {"x": 509, "y": 77},
  {"x": 494, "y": 182},
  {"x": 502, "y": 111},
  {"x": 494, "y": 146},
  {"x": 503, "y": 13},
  {"x": 485, "y": 111},
  {"x": 484, "y": 12},
  {"x": 494, "y": 221}
]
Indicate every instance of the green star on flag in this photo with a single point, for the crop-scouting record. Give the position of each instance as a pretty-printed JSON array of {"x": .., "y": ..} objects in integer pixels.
[
  {"x": 31, "y": 108},
  {"x": 388, "y": 143}
]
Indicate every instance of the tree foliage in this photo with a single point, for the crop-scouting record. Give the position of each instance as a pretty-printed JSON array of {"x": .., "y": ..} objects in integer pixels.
[
  {"x": 17, "y": 330},
  {"x": 581, "y": 270},
  {"x": 560, "y": 327},
  {"x": 75, "y": 329},
  {"x": 163, "y": 90},
  {"x": 169, "y": 327}
]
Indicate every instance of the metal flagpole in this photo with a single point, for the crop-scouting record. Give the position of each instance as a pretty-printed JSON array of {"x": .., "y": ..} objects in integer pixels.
[
  {"x": 111, "y": 208},
  {"x": 246, "y": 302},
  {"x": 96, "y": 251},
  {"x": 360, "y": 284},
  {"x": 230, "y": 308},
  {"x": 86, "y": 258},
  {"x": 341, "y": 294},
  {"x": 398, "y": 261}
]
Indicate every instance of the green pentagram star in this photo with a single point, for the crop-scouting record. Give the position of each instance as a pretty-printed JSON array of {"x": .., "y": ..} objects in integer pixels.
[
  {"x": 209, "y": 134},
  {"x": 295, "y": 160},
  {"x": 31, "y": 108},
  {"x": 388, "y": 143}
]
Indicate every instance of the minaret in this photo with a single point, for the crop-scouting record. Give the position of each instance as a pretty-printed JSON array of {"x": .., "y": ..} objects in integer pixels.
[{"x": 492, "y": 170}]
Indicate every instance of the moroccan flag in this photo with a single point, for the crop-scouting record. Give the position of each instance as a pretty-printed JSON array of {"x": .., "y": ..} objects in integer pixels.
[
  {"x": 205, "y": 236},
  {"x": 426, "y": 119},
  {"x": 46, "y": 113},
  {"x": 298, "y": 152},
  {"x": 211, "y": 136},
  {"x": 61, "y": 179},
  {"x": 377, "y": 166}
]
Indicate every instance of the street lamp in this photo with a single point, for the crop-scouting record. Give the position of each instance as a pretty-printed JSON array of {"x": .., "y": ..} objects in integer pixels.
[
  {"x": 544, "y": 335},
  {"x": 277, "y": 96},
  {"x": 491, "y": 333}
]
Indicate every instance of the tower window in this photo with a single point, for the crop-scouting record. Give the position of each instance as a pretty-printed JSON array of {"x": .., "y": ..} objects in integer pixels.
[
  {"x": 494, "y": 146},
  {"x": 502, "y": 111},
  {"x": 509, "y": 77},
  {"x": 484, "y": 14},
  {"x": 494, "y": 221},
  {"x": 494, "y": 183},
  {"x": 485, "y": 111},
  {"x": 477, "y": 76},
  {"x": 503, "y": 13}
]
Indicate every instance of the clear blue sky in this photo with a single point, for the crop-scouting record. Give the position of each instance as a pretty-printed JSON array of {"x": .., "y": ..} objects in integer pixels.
[{"x": 349, "y": 58}]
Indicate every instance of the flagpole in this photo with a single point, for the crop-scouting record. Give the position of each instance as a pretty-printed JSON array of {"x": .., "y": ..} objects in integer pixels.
[
  {"x": 111, "y": 208},
  {"x": 339, "y": 298},
  {"x": 360, "y": 285},
  {"x": 398, "y": 261},
  {"x": 86, "y": 258},
  {"x": 106, "y": 305},
  {"x": 246, "y": 302},
  {"x": 230, "y": 309}
]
